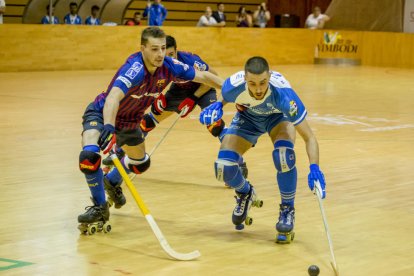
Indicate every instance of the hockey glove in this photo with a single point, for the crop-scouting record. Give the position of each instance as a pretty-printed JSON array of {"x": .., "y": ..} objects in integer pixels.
[
  {"x": 187, "y": 105},
  {"x": 211, "y": 113},
  {"x": 105, "y": 140},
  {"x": 316, "y": 180},
  {"x": 158, "y": 105}
]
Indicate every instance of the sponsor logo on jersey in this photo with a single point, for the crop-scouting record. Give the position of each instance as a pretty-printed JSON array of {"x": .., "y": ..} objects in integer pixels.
[
  {"x": 125, "y": 81},
  {"x": 293, "y": 108},
  {"x": 146, "y": 94},
  {"x": 134, "y": 70},
  {"x": 161, "y": 82},
  {"x": 93, "y": 123},
  {"x": 200, "y": 66},
  {"x": 185, "y": 66},
  {"x": 237, "y": 79}
]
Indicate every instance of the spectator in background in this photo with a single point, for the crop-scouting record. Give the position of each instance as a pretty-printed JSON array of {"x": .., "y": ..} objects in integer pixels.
[
  {"x": 219, "y": 15},
  {"x": 243, "y": 19},
  {"x": 2, "y": 10},
  {"x": 261, "y": 16},
  {"x": 46, "y": 18},
  {"x": 93, "y": 18},
  {"x": 316, "y": 20},
  {"x": 136, "y": 21},
  {"x": 73, "y": 18},
  {"x": 156, "y": 12},
  {"x": 207, "y": 20}
]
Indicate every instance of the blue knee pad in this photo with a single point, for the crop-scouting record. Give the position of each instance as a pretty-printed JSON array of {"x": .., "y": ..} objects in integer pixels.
[
  {"x": 284, "y": 156},
  {"x": 227, "y": 169}
]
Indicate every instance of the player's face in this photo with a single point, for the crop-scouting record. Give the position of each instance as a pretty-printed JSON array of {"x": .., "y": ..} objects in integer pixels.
[
  {"x": 257, "y": 84},
  {"x": 73, "y": 9},
  {"x": 171, "y": 52},
  {"x": 154, "y": 51}
]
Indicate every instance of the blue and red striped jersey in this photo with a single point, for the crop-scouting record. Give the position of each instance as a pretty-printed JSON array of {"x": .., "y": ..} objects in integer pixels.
[{"x": 141, "y": 88}]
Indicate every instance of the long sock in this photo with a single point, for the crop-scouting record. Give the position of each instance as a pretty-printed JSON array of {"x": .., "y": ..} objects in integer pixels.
[
  {"x": 95, "y": 180},
  {"x": 287, "y": 186},
  {"x": 238, "y": 182}
]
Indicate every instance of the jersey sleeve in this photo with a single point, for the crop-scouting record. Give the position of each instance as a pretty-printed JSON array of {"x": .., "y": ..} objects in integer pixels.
[
  {"x": 200, "y": 64},
  {"x": 129, "y": 75},
  {"x": 291, "y": 105},
  {"x": 180, "y": 71},
  {"x": 233, "y": 86}
]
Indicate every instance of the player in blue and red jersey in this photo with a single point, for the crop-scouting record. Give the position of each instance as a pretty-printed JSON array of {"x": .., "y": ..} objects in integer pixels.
[
  {"x": 266, "y": 103},
  {"x": 119, "y": 111}
]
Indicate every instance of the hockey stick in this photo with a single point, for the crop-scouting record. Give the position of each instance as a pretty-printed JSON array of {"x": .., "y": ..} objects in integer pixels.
[
  {"x": 155, "y": 229},
  {"x": 325, "y": 223}
]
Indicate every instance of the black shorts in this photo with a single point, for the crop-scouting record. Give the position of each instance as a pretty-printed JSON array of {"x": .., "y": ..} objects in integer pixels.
[
  {"x": 93, "y": 119},
  {"x": 174, "y": 96}
]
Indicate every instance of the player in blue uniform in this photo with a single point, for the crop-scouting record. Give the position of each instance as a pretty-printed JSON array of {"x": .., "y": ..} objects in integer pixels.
[
  {"x": 93, "y": 19},
  {"x": 73, "y": 18},
  {"x": 119, "y": 110},
  {"x": 266, "y": 103}
]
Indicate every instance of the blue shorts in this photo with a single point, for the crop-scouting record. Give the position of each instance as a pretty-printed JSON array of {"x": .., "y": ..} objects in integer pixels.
[{"x": 251, "y": 127}]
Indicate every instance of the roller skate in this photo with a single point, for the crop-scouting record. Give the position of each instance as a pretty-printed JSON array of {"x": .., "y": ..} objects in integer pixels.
[
  {"x": 95, "y": 219},
  {"x": 115, "y": 195},
  {"x": 244, "y": 203},
  {"x": 285, "y": 224}
]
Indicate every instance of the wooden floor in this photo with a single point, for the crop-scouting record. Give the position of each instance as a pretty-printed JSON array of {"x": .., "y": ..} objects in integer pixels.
[{"x": 364, "y": 121}]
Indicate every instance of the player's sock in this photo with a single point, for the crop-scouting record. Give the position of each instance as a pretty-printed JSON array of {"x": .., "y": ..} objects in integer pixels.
[
  {"x": 114, "y": 176},
  {"x": 95, "y": 180},
  {"x": 227, "y": 164}
]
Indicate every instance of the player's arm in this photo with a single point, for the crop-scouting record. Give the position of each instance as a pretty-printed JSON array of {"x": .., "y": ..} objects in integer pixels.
[
  {"x": 312, "y": 147},
  {"x": 208, "y": 79},
  {"x": 203, "y": 89},
  {"x": 112, "y": 104}
]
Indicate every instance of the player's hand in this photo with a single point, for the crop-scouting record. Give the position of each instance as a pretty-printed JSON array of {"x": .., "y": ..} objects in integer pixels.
[
  {"x": 316, "y": 180},
  {"x": 187, "y": 105},
  {"x": 211, "y": 113},
  {"x": 158, "y": 105},
  {"x": 105, "y": 140}
]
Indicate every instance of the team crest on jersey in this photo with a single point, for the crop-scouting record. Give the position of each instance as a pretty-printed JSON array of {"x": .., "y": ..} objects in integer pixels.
[
  {"x": 180, "y": 63},
  {"x": 293, "y": 108},
  {"x": 134, "y": 70},
  {"x": 200, "y": 66},
  {"x": 161, "y": 82}
]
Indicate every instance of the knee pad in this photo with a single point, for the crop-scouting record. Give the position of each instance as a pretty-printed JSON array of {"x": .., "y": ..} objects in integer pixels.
[
  {"x": 148, "y": 123},
  {"x": 227, "y": 166},
  {"x": 216, "y": 128},
  {"x": 89, "y": 161},
  {"x": 138, "y": 166},
  {"x": 284, "y": 156}
]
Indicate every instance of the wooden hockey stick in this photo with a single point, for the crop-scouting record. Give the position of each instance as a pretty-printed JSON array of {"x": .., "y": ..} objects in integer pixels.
[{"x": 155, "y": 229}]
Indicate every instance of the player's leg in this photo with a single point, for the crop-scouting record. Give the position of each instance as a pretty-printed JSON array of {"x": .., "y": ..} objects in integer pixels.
[
  {"x": 218, "y": 129},
  {"x": 90, "y": 165},
  {"x": 238, "y": 140},
  {"x": 283, "y": 137}
]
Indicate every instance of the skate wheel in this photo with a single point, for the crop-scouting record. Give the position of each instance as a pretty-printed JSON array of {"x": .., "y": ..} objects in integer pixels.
[
  {"x": 110, "y": 202},
  {"x": 259, "y": 203},
  {"x": 92, "y": 229},
  {"x": 248, "y": 221},
  {"x": 239, "y": 227},
  {"x": 107, "y": 228},
  {"x": 82, "y": 229}
]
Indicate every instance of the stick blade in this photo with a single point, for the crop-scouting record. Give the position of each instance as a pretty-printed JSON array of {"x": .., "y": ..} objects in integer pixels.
[
  {"x": 335, "y": 269},
  {"x": 180, "y": 256}
]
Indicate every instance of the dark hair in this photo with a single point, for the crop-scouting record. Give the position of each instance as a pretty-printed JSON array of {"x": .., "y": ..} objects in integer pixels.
[
  {"x": 256, "y": 65},
  {"x": 171, "y": 42},
  {"x": 48, "y": 6},
  {"x": 241, "y": 8},
  {"x": 219, "y": 3},
  {"x": 135, "y": 13},
  {"x": 153, "y": 31},
  {"x": 73, "y": 4},
  {"x": 95, "y": 7}
]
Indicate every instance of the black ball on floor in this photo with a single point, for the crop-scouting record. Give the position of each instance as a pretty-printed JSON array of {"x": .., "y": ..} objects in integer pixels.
[{"x": 313, "y": 270}]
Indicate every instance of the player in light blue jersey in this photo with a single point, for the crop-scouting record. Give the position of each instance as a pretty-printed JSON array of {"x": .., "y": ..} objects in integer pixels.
[
  {"x": 266, "y": 103},
  {"x": 72, "y": 18}
]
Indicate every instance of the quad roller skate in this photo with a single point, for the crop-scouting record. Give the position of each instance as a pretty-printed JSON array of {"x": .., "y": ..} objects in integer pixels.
[
  {"x": 285, "y": 224},
  {"x": 115, "y": 195},
  {"x": 95, "y": 219},
  {"x": 244, "y": 203}
]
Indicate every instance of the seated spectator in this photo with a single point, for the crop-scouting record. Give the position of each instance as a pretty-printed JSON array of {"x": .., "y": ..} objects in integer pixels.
[
  {"x": 243, "y": 19},
  {"x": 136, "y": 21},
  {"x": 219, "y": 15},
  {"x": 316, "y": 20},
  {"x": 207, "y": 20},
  {"x": 93, "y": 18},
  {"x": 46, "y": 18},
  {"x": 73, "y": 18},
  {"x": 261, "y": 16},
  {"x": 157, "y": 13}
]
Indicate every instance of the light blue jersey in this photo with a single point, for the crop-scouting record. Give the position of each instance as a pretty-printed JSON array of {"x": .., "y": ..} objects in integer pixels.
[{"x": 280, "y": 103}]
